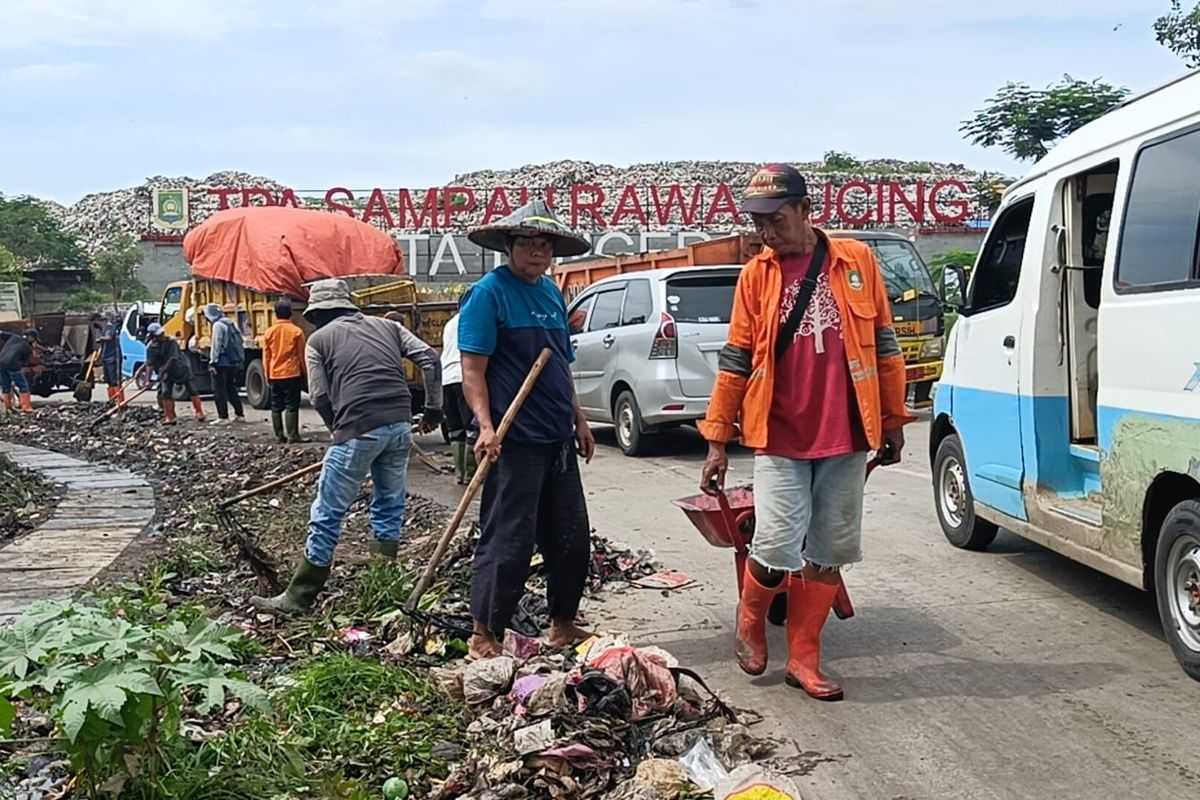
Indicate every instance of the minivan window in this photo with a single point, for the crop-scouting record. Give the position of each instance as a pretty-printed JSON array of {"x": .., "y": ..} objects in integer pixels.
[
  {"x": 701, "y": 299},
  {"x": 578, "y": 318},
  {"x": 999, "y": 270},
  {"x": 1158, "y": 239},
  {"x": 606, "y": 313},
  {"x": 638, "y": 303}
]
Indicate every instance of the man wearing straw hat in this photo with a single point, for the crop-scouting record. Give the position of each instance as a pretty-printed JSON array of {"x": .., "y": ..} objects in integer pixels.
[
  {"x": 533, "y": 496},
  {"x": 357, "y": 383}
]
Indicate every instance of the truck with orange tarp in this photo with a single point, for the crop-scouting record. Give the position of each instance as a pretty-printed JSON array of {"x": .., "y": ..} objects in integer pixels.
[
  {"x": 248, "y": 259},
  {"x": 918, "y": 307}
]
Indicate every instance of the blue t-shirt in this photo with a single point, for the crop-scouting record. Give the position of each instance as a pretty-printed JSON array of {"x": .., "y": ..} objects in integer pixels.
[
  {"x": 110, "y": 351},
  {"x": 510, "y": 321}
]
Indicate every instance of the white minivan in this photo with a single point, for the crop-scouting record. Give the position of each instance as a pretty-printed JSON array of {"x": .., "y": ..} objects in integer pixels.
[{"x": 1069, "y": 407}]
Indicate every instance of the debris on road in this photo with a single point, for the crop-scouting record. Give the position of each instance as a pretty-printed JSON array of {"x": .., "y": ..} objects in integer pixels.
[
  {"x": 25, "y": 500},
  {"x": 538, "y": 721}
]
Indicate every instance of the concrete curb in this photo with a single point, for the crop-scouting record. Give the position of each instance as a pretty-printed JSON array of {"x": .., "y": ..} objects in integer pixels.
[{"x": 101, "y": 512}]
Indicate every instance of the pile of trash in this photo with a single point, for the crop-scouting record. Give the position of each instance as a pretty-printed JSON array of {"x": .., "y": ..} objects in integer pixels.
[
  {"x": 25, "y": 500},
  {"x": 606, "y": 719}
]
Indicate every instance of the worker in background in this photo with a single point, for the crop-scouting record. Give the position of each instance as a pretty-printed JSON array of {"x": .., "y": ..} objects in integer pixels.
[
  {"x": 357, "y": 382},
  {"x": 110, "y": 357},
  {"x": 14, "y": 355},
  {"x": 283, "y": 358},
  {"x": 812, "y": 377},
  {"x": 458, "y": 412},
  {"x": 164, "y": 358},
  {"x": 533, "y": 494},
  {"x": 226, "y": 357}
]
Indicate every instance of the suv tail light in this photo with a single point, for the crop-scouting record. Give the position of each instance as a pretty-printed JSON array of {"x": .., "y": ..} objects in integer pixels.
[{"x": 666, "y": 345}]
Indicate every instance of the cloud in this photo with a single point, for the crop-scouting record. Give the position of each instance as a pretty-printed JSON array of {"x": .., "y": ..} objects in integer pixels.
[
  {"x": 114, "y": 23},
  {"x": 370, "y": 18},
  {"x": 48, "y": 73}
]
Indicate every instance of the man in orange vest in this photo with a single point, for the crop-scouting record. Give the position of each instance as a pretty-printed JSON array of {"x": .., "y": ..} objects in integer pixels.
[
  {"x": 813, "y": 376},
  {"x": 283, "y": 358}
]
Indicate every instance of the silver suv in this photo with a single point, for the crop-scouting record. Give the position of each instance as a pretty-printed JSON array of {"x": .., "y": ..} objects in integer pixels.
[{"x": 646, "y": 346}]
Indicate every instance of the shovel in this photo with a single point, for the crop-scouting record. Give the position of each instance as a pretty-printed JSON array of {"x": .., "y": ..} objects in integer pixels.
[{"x": 84, "y": 386}]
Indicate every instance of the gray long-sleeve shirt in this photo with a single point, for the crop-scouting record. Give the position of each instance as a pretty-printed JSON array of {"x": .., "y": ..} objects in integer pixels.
[{"x": 356, "y": 374}]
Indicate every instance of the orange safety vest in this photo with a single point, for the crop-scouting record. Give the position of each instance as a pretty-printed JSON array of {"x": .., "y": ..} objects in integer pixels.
[{"x": 746, "y": 373}]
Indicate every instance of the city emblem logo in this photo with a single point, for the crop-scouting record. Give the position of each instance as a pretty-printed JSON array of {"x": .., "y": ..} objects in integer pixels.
[
  {"x": 171, "y": 208},
  {"x": 856, "y": 281}
]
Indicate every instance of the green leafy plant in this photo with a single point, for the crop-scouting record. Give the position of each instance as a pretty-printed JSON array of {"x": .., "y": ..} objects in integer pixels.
[
  {"x": 1179, "y": 32},
  {"x": 117, "y": 688}
]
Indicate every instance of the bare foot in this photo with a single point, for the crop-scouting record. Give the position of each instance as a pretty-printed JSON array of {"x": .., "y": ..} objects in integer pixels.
[
  {"x": 566, "y": 632},
  {"x": 483, "y": 644}
]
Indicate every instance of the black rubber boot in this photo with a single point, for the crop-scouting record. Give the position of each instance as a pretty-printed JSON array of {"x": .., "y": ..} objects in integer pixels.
[
  {"x": 277, "y": 426},
  {"x": 291, "y": 424},
  {"x": 300, "y": 594},
  {"x": 385, "y": 549}
]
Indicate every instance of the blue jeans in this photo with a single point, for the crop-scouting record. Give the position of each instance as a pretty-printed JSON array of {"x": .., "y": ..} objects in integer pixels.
[
  {"x": 381, "y": 453},
  {"x": 14, "y": 378}
]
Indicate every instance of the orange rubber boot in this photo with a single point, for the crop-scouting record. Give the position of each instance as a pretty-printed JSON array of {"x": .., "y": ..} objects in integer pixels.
[
  {"x": 168, "y": 407},
  {"x": 751, "y": 635},
  {"x": 26, "y": 402},
  {"x": 199, "y": 409},
  {"x": 8, "y": 404},
  {"x": 809, "y": 602},
  {"x": 119, "y": 395}
]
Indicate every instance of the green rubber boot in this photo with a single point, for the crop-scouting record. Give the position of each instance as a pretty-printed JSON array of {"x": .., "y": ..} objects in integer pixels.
[
  {"x": 300, "y": 594},
  {"x": 469, "y": 464},
  {"x": 385, "y": 549},
  {"x": 460, "y": 461},
  {"x": 291, "y": 423},
  {"x": 277, "y": 426}
]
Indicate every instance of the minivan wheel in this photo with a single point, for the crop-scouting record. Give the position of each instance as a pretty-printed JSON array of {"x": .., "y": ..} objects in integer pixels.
[
  {"x": 1177, "y": 583},
  {"x": 953, "y": 499},
  {"x": 628, "y": 418}
]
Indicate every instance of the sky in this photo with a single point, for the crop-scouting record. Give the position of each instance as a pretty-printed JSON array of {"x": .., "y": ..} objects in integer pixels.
[{"x": 97, "y": 95}]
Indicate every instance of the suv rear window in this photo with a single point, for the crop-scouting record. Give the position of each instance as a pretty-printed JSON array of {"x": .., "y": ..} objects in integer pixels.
[{"x": 702, "y": 299}]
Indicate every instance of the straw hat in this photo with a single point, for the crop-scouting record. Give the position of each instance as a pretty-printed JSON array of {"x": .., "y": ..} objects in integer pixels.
[{"x": 533, "y": 219}]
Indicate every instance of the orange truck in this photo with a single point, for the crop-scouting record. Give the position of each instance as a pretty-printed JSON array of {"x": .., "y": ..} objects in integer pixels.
[{"x": 918, "y": 308}]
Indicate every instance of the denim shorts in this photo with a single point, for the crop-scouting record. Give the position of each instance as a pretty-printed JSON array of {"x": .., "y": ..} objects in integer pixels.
[{"x": 820, "y": 501}]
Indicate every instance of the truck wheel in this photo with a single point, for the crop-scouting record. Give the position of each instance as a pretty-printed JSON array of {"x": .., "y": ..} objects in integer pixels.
[
  {"x": 953, "y": 499},
  {"x": 179, "y": 393},
  {"x": 1177, "y": 583},
  {"x": 631, "y": 434},
  {"x": 258, "y": 391}
]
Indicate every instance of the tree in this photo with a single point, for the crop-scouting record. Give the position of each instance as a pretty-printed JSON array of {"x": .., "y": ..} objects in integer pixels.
[
  {"x": 1179, "y": 32},
  {"x": 1025, "y": 122},
  {"x": 10, "y": 268},
  {"x": 114, "y": 271},
  {"x": 35, "y": 238}
]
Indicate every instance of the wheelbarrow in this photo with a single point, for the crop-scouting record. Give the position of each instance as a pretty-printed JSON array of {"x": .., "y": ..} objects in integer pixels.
[{"x": 726, "y": 519}]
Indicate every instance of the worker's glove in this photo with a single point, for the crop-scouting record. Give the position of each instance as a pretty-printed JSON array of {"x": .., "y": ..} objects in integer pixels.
[{"x": 431, "y": 420}]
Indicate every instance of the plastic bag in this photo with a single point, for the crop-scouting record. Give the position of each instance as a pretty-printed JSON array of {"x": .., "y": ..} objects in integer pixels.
[{"x": 702, "y": 765}]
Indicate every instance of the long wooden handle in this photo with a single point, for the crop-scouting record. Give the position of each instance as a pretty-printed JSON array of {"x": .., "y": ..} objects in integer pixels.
[
  {"x": 87, "y": 376},
  {"x": 477, "y": 481},
  {"x": 109, "y": 412},
  {"x": 275, "y": 484}
]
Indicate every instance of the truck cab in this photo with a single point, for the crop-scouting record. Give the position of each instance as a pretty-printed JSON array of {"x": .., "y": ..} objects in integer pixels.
[
  {"x": 918, "y": 307},
  {"x": 132, "y": 335}
]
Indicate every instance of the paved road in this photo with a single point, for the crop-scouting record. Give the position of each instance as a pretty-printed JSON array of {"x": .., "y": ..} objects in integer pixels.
[{"x": 1008, "y": 674}]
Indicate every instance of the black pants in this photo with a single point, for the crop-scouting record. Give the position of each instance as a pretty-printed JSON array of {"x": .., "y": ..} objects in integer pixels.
[
  {"x": 458, "y": 413},
  {"x": 112, "y": 373},
  {"x": 225, "y": 392},
  {"x": 285, "y": 393},
  {"x": 533, "y": 496}
]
